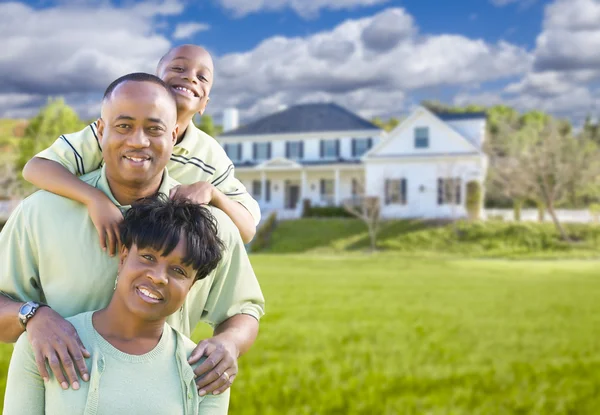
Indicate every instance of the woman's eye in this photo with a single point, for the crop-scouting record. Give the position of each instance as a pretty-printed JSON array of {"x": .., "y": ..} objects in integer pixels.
[
  {"x": 179, "y": 271},
  {"x": 148, "y": 257}
]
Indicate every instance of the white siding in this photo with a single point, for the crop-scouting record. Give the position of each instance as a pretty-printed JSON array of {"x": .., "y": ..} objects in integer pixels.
[{"x": 474, "y": 130}]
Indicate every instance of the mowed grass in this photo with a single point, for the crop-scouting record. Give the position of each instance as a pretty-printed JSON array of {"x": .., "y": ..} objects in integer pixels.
[{"x": 379, "y": 334}]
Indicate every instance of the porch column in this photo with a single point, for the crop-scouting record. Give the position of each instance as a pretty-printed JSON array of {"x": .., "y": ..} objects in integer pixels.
[
  {"x": 304, "y": 185},
  {"x": 336, "y": 188},
  {"x": 263, "y": 187}
]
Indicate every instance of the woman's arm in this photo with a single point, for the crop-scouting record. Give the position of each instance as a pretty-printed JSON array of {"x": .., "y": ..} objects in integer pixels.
[{"x": 25, "y": 390}]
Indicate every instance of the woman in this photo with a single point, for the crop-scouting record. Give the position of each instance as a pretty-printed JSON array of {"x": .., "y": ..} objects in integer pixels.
[{"x": 138, "y": 363}]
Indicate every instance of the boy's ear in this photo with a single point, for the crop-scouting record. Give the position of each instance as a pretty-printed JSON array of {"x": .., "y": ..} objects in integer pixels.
[
  {"x": 100, "y": 127},
  {"x": 201, "y": 112}
]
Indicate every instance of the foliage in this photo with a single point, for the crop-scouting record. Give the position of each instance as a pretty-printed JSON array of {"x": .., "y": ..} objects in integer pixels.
[
  {"x": 595, "y": 211},
  {"x": 263, "y": 233},
  {"x": 517, "y": 208},
  {"x": 388, "y": 125},
  {"x": 325, "y": 212},
  {"x": 474, "y": 199},
  {"x": 54, "y": 119},
  {"x": 207, "y": 125},
  {"x": 490, "y": 239}
]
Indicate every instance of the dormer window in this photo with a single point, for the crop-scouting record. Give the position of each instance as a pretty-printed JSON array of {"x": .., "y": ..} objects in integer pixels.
[{"x": 422, "y": 137}]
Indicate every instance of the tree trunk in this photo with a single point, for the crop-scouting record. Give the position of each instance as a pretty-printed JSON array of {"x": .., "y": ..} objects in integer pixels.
[{"x": 563, "y": 234}]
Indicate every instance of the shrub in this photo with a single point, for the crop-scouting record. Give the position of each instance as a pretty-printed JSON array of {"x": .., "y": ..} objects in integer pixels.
[
  {"x": 474, "y": 199},
  {"x": 326, "y": 212},
  {"x": 595, "y": 211},
  {"x": 517, "y": 206},
  {"x": 263, "y": 233}
]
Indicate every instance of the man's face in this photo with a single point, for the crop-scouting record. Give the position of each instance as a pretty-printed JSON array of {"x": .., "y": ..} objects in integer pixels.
[
  {"x": 188, "y": 70},
  {"x": 138, "y": 129}
]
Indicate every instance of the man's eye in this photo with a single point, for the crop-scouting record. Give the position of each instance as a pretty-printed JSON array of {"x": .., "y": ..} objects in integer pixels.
[{"x": 122, "y": 126}]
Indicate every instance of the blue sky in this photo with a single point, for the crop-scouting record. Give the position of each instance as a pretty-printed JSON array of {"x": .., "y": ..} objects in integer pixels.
[{"x": 375, "y": 57}]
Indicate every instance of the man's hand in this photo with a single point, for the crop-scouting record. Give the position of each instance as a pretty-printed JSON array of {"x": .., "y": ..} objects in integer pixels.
[
  {"x": 199, "y": 192},
  {"x": 219, "y": 369},
  {"x": 106, "y": 218},
  {"x": 55, "y": 340}
]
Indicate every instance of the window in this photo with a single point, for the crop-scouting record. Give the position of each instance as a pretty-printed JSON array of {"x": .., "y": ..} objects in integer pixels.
[
  {"x": 395, "y": 192},
  {"x": 327, "y": 190},
  {"x": 262, "y": 151},
  {"x": 256, "y": 189},
  {"x": 330, "y": 148},
  {"x": 360, "y": 146},
  {"x": 234, "y": 151},
  {"x": 422, "y": 137},
  {"x": 449, "y": 191},
  {"x": 294, "y": 150}
]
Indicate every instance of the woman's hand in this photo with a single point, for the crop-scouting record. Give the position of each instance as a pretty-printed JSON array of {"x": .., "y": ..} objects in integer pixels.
[
  {"x": 220, "y": 368},
  {"x": 55, "y": 340},
  {"x": 106, "y": 218}
]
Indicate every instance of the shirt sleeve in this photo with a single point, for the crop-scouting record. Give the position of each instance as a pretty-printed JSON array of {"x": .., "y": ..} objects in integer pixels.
[
  {"x": 235, "y": 288},
  {"x": 25, "y": 391},
  {"x": 225, "y": 180},
  {"x": 19, "y": 276},
  {"x": 80, "y": 152},
  {"x": 215, "y": 404}
]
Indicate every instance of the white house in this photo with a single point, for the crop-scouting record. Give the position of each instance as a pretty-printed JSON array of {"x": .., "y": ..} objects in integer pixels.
[{"x": 325, "y": 153}]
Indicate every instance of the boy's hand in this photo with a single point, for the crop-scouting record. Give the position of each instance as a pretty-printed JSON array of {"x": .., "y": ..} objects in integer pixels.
[
  {"x": 199, "y": 192},
  {"x": 106, "y": 218}
]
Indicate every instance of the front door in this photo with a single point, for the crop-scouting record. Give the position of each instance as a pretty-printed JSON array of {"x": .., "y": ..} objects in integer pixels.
[{"x": 292, "y": 196}]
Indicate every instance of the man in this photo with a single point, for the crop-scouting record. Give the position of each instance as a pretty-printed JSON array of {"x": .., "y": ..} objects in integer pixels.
[{"x": 50, "y": 253}]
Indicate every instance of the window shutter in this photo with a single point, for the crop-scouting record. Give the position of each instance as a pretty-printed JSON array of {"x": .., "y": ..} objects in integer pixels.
[
  {"x": 354, "y": 147},
  {"x": 301, "y": 149},
  {"x": 322, "y": 149},
  {"x": 240, "y": 151},
  {"x": 322, "y": 187},
  {"x": 337, "y": 148},
  {"x": 269, "y": 151},
  {"x": 254, "y": 151},
  {"x": 440, "y": 191},
  {"x": 403, "y": 191},
  {"x": 268, "y": 191},
  {"x": 387, "y": 191},
  {"x": 226, "y": 148},
  {"x": 458, "y": 189},
  {"x": 287, "y": 149},
  {"x": 369, "y": 143}
]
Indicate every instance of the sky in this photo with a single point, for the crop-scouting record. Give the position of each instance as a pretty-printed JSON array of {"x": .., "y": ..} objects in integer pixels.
[{"x": 374, "y": 57}]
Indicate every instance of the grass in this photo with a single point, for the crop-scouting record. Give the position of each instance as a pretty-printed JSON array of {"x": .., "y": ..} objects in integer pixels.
[
  {"x": 491, "y": 239},
  {"x": 383, "y": 334}
]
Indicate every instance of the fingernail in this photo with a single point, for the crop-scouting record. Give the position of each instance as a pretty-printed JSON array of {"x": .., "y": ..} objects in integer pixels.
[
  {"x": 75, "y": 385},
  {"x": 46, "y": 379},
  {"x": 86, "y": 377},
  {"x": 216, "y": 392},
  {"x": 65, "y": 385},
  {"x": 202, "y": 392}
]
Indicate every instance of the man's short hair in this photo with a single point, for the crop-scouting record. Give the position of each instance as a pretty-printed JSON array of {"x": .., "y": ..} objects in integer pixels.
[
  {"x": 138, "y": 77},
  {"x": 159, "y": 222}
]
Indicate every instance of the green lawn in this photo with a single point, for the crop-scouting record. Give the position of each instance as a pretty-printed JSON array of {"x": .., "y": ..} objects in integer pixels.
[{"x": 385, "y": 334}]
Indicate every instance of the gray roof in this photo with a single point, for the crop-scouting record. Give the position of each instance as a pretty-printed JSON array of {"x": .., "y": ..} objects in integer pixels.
[
  {"x": 453, "y": 116},
  {"x": 305, "y": 118}
]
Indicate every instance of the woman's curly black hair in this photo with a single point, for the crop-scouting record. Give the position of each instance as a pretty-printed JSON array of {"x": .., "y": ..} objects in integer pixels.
[{"x": 158, "y": 222}]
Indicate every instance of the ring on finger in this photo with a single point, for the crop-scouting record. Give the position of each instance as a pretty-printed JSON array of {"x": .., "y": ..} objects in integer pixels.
[{"x": 226, "y": 376}]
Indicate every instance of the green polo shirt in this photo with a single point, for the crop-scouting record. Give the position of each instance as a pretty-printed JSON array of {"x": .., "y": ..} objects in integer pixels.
[
  {"x": 197, "y": 158},
  {"x": 50, "y": 252}
]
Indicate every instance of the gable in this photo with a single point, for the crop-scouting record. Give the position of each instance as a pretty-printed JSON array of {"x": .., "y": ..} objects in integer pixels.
[
  {"x": 442, "y": 138},
  {"x": 279, "y": 162}
]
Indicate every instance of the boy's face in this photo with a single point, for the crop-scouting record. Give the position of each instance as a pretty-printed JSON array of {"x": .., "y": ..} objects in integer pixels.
[{"x": 188, "y": 70}]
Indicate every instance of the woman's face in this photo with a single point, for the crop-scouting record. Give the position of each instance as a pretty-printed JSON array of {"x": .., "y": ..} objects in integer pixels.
[{"x": 153, "y": 286}]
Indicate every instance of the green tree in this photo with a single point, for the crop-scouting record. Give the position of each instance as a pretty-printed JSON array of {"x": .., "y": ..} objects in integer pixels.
[
  {"x": 54, "y": 119},
  {"x": 208, "y": 126},
  {"x": 388, "y": 125}
]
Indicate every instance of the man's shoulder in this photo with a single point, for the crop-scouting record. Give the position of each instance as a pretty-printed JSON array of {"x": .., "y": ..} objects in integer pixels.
[{"x": 225, "y": 226}]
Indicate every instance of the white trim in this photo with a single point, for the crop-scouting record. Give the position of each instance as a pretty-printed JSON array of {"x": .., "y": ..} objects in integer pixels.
[
  {"x": 321, "y": 167},
  {"x": 303, "y": 136},
  {"x": 287, "y": 164},
  {"x": 409, "y": 121}
]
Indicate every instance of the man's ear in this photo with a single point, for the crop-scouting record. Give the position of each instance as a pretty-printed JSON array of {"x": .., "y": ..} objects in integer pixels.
[
  {"x": 201, "y": 112},
  {"x": 100, "y": 127},
  {"x": 175, "y": 133}
]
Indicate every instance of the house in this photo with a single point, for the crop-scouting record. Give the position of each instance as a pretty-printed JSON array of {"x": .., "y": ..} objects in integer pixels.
[{"x": 325, "y": 153}]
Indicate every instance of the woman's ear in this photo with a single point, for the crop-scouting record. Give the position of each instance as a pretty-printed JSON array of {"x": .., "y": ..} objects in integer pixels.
[{"x": 123, "y": 256}]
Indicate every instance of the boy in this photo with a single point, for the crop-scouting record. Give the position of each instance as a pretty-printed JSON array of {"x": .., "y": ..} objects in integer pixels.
[{"x": 197, "y": 159}]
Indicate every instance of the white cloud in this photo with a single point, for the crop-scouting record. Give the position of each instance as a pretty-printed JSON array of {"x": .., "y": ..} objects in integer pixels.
[
  {"x": 304, "y": 8},
  {"x": 78, "y": 48},
  {"x": 187, "y": 30},
  {"x": 370, "y": 68}
]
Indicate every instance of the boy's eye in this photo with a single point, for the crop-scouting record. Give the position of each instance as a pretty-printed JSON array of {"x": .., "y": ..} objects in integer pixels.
[
  {"x": 203, "y": 78},
  {"x": 177, "y": 68}
]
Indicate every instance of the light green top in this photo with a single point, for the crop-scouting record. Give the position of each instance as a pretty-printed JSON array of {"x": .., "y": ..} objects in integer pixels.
[
  {"x": 50, "y": 252},
  {"x": 158, "y": 382},
  {"x": 197, "y": 158}
]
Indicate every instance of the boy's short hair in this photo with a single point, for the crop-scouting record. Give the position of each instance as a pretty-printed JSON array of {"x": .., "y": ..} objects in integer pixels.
[{"x": 158, "y": 222}]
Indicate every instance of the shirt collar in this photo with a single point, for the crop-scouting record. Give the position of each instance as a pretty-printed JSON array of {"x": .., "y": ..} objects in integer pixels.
[
  {"x": 187, "y": 142},
  {"x": 105, "y": 188}
]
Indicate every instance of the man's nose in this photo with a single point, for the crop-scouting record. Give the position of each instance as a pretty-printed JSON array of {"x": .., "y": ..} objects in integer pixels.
[{"x": 138, "y": 139}]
